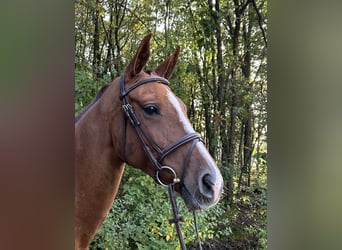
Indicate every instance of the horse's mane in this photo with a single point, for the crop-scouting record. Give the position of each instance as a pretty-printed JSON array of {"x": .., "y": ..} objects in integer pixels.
[{"x": 97, "y": 97}]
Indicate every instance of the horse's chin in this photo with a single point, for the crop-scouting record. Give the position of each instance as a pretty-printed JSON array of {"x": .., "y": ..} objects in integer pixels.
[{"x": 194, "y": 200}]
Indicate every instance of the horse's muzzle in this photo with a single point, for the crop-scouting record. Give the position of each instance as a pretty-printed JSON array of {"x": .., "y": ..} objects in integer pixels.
[{"x": 207, "y": 193}]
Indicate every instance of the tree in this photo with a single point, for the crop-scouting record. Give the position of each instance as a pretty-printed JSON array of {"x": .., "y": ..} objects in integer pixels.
[{"x": 221, "y": 74}]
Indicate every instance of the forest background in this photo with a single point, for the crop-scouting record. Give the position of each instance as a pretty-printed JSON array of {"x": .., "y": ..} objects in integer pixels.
[{"x": 221, "y": 77}]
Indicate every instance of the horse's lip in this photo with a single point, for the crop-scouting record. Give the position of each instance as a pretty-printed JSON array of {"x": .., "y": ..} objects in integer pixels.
[{"x": 190, "y": 201}]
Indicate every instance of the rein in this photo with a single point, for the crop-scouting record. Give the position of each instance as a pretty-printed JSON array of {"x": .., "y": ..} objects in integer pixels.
[{"x": 147, "y": 144}]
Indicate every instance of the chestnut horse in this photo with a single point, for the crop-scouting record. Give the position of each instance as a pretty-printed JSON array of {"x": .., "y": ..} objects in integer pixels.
[{"x": 153, "y": 133}]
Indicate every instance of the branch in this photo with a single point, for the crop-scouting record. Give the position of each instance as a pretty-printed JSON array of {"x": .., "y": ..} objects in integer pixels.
[{"x": 260, "y": 21}]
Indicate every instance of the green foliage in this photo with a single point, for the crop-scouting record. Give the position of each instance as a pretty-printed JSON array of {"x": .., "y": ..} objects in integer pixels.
[
  {"x": 250, "y": 215},
  {"x": 225, "y": 98},
  {"x": 139, "y": 217},
  {"x": 86, "y": 88}
]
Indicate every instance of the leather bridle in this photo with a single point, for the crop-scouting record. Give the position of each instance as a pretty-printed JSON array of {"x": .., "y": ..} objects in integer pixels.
[
  {"x": 148, "y": 144},
  {"x": 145, "y": 140}
]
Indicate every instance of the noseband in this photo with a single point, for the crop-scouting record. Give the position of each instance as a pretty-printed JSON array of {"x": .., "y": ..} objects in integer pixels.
[{"x": 147, "y": 144}]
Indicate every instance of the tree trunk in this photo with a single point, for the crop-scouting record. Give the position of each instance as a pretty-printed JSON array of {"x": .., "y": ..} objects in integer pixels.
[{"x": 96, "y": 41}]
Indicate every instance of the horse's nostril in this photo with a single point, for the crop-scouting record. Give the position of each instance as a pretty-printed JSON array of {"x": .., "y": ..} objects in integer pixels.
[
  {"x": 208, "y": 180},
  {"x": 206, "y": 185}
]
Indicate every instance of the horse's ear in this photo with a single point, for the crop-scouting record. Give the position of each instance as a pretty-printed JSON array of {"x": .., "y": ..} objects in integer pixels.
[
  {"x": 166, "y": 68},
  {"x": 140, "y": 59}
]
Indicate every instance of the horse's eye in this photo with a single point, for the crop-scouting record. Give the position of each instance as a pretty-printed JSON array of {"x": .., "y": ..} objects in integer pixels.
[{"x": 151, "y": 110}]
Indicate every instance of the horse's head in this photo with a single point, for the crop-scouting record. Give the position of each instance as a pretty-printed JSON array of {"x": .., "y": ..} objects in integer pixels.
[{"x": 163, "y": 122}]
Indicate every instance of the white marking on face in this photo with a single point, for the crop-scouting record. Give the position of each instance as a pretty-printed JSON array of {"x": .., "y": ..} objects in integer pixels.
[
  {"x": 181, "y": 116},
  {"x": 215, "y": 171},
  {"x": 200, "y": 146}
]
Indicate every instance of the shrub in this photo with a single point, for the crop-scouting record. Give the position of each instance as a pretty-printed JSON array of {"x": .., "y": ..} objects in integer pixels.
[{"x": 139, "y": 217}]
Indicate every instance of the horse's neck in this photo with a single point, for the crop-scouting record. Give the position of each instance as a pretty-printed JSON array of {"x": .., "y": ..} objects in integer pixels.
[
  {"x": 98, "y": 169},
  {"x": 94, "y": 129},
  {"x": 96, "y": 153}
]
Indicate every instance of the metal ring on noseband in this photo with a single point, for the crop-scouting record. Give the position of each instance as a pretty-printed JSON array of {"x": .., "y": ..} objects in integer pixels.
[{"x": 175, "y": 179}]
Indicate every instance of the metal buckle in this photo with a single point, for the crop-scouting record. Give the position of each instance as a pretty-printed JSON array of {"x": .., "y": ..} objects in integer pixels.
[
  {"x": 175, "y": 179},
  {"x": 128, "y": 109}
]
